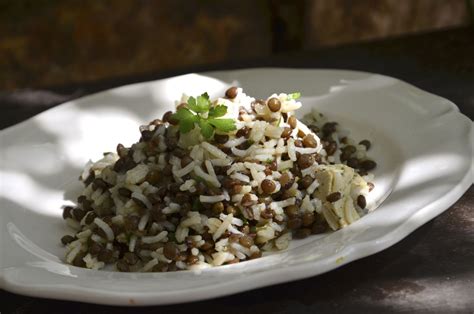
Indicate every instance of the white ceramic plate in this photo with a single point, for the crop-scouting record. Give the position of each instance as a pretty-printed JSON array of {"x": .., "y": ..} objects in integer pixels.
[{"x": 422, "y": 144}]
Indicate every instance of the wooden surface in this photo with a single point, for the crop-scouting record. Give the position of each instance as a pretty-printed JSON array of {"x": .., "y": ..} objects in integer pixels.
[
  {"x": 432, "y": 270},
  {"x": 48, "y": 42}
]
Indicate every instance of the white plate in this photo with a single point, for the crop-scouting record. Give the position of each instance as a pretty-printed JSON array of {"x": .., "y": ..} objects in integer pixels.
[{"x": 422, "y": 144}]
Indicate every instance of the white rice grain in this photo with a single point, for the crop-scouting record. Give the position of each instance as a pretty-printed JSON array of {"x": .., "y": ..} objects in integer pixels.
[
  {"x": 240, "y": 177},
  {"x": 132, "y": 243},
  {"x": 223, "y": 227},
  {"x": 137, "y": 174},
  {"x": 283, "y": 241},
  {"x": 235, "y": 142},
  {"x": 213, "y": 150},
  {"x": 312, "y": 187},
  {"x": 184, "y": 171},
  {"x": 157, "y": 238},
  {"x": 148, "y": 266},
  {"x": 105, "y": 227},
  {"x": 142, "y": 198},
  {"x": 211, "y": 199}
]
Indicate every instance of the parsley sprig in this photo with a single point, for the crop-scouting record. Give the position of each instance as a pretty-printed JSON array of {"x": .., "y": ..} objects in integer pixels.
[
  {"x": 200, "y": 111},
  {"x": 293, "y": 96}
]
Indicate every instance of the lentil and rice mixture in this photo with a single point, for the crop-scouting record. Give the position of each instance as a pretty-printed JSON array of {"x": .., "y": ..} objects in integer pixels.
[{"x": 181, "y": 198}]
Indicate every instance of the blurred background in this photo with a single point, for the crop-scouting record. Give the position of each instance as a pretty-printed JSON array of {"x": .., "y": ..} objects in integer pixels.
[{"x": 56, "y": 43}]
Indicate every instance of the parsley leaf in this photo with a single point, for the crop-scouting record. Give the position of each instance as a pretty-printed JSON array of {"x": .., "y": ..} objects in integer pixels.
[
  {"x": 192, "y": 104},
  {"x": 217, "y": 111},
  {"x": 195, "y": 112},
  {"x": 183, "y": 113},
  {"x": 206, "y": 128},
  {"x": 293, "y": 96},
  {"x": 186, "y": 119},
  {"x": 203, "y": 103},
  {"x": 223, "y": 125},
  {"x": 186, "y": 125}
]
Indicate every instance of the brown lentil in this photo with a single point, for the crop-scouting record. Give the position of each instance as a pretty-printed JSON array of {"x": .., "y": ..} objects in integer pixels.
[
  {"x": 333, "y": 197},
  {"x": 344, "y": 156},
  {"x": 301, "y": 134},
  {"x": 67, "y": 239},
  {"x": 318, "y": 227},
  {"x": 304, "y": 161},
  {"x": 121, "y": 151},
  {"x": 255, "y": 255},
  {"x": 67, "y": 212},
  {"x": 371, "y": 186},
  {"x": 298, "y": 143},
  {"x": 366, "y": 143},
  {"x": 170, "y": 251},
  {"x": 306, "y": 181},
  {"x": 130, "y": 258},
  {"x": 153, "y": 177},
  {"x": 368, "y": 165},
  {"x": 231, "y": 93},
  {"x": 292, "y": 122},
  {"x": 274, "y": 104},
  {"x": 246, "y": 241},
  {"x": 302, "y": 233},
  {"x": 245, "y": 132},
  {"x": 353, "y": 162},
  {"x": 191, "y": 259},
  {"x": 167, "y": 116},
  {"x": 221, "y": 138},
  {"x": 361, "y": 202},
  {"x": 78, "y": 213},
  {"x": 131, "y": 223},
  {"x": 331, "y": 148},
  {"x": 268, "y": 186},
  {"x": 95, "y": 248},
  {"x": 125, "y": 192},
  {"x": 309, "y": 141},
  {"x": 217, "y": 208},
  {"x": 286, "y": 132},
  {"x": 99, "y": 184},
  {"x": 308, "y": 219},
  {"x": 79, "y": 260},
  {"x": 105, "y": 255},
  {"x": 247, "y": 200},
  {"x": 291, "y": 211},
  {"x": 236, "y": 189},
  {"x": 147, "y": 135},
  {"x": 349, "y": 149},
  {"x": 295, "y": 223},
  {"x": 122, "y": 266},
  {"x": 329, "y": 128},
  {"x": 231, "y": 210},
  {"x": 90, "y": 218}
]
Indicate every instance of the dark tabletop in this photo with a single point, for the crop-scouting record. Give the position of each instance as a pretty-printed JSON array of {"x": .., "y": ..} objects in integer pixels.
[{"x": 431, "y": 270}]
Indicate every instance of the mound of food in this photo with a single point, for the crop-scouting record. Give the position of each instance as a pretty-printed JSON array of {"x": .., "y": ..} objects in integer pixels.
[{"x": 218, "y": 182}]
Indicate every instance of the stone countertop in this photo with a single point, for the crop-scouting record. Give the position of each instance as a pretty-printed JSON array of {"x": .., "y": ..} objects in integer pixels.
[{"x": 431, "y": 270}]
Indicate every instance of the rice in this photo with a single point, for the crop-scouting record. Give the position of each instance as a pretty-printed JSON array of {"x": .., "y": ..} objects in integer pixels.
[
  {"x": 211, "y": 199},
  {"x": 177, "y": 200},
  {"x": 160, "y": 236},
  {"x": 105, "y": 227}
]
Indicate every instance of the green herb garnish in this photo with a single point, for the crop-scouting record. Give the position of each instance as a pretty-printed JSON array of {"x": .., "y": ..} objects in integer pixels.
[
  {"x": 293, "y": 96},
  {"x": 195, "y": 113}
]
